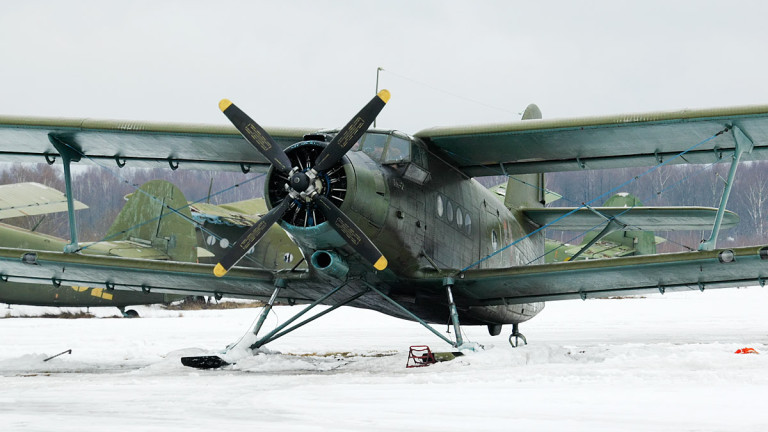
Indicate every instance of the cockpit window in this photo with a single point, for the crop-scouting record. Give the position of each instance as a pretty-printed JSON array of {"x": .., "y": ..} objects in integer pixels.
[
  {"x": 398, "y": 150},
  {"x": 373, "y": 145},
  {"x": 386, "y": 148}
]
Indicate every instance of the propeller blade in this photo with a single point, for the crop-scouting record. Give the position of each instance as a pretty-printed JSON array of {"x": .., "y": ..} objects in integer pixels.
[
  {"x": 349, "y": 134},
  {"x": 351, "y": 233},
  {"x": 251, "y": 237},
  {"x": 257, "y": 136}
]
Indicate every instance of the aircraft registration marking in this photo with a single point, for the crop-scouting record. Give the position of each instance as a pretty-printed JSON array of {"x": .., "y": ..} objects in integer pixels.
[{"x": 96, "y": 292}]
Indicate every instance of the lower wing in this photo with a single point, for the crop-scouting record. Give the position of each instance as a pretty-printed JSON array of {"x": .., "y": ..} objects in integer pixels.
[
  {"x": 698, "y": 270},
  {"x": 68, "y": 269}
]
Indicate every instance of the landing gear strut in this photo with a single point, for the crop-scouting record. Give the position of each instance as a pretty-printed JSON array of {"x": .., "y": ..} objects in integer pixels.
[{"x": 516, "y": 336}]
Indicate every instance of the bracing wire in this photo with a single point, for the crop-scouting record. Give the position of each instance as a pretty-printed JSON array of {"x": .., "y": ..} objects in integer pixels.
[
  {"x": 138, "y": 189},
  {"x": 586, "y": 204}
]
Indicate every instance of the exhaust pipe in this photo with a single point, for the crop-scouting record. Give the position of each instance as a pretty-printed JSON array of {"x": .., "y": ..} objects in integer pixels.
[{"x": 329, "y": 263}]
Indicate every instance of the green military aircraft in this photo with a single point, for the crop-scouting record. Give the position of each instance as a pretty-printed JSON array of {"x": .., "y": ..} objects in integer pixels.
[
  {"x": 218, "y": 226},
  {"x": 168, "y": 237},
  {"x": 136, "y": 233},
  {"x": 396, "y": 223},
  {"x": 619, "y": 243}
]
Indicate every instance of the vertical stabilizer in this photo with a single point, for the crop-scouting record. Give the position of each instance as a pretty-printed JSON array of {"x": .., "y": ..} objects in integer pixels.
[
  {"x": 148, "y": 218},
  {"x": 532, "y": 112},
  {"x": 526, "y": 190}
]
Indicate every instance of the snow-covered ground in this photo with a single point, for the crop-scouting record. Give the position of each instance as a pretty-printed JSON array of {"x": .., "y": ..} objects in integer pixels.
[{"x": 657, "y": 363}]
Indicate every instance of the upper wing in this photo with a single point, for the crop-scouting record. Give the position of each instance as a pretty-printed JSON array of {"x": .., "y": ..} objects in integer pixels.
[
  {"x": 137, "y": 144},
  {"x": 619, "y": 141},
  {"x": 617, "y": 276},
  {"x": 635, "y": 218},
  {"x": 68, "y": 269},
  {"x": 30, "y": 199}
]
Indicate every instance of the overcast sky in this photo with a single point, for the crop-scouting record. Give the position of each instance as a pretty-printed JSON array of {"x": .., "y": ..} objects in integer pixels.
[{"x": 313, "y": 63}]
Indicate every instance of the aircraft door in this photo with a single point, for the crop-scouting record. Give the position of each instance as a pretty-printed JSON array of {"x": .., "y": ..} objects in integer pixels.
[
  {"x": 410, "y": 213},
  {"x": 492, "y": 238}
]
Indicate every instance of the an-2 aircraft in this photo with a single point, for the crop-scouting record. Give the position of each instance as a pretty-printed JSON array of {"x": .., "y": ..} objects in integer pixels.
[
  {"x": 397, "y": 224},
  {"x": 148, "y": 241},
  {"x": 145, "y": 228}
]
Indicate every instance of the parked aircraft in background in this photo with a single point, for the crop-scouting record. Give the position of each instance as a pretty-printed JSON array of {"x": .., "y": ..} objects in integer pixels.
[
  {"x": 614, "y": 244},
  {"x": 166, "y": 237},
  {"x": 154, "y": 224}
]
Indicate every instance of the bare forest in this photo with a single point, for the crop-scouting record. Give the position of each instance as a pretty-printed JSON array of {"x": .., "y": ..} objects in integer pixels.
[{"x": 103, "y": 190}]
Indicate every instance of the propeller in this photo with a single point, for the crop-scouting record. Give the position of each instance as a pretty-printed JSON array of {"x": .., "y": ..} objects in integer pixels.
[{"x": 301, "y": 185}]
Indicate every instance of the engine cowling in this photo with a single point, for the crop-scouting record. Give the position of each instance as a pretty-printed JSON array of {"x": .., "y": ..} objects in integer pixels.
[{"x": 355, "y": 184}]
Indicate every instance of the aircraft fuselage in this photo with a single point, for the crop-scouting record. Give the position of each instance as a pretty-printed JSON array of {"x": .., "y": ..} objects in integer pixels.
[{"x": 424, "y": 215}]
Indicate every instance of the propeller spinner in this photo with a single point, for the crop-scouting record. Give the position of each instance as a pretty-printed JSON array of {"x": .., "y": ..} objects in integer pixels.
[{"x": 301, "y": 185}]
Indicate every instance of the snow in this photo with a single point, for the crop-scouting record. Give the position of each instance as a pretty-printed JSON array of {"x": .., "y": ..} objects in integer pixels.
[{"x": 662, "y": 363}]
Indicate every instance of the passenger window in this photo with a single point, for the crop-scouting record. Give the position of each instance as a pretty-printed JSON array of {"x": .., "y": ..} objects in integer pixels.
[
  {"x": 449, "y": 211},
  {"x": 439, "y": 205},
  {"x": 468, "y": 224}
]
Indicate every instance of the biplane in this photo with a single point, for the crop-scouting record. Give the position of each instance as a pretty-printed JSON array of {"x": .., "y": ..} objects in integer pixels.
[{"x": 397, "y": 223}]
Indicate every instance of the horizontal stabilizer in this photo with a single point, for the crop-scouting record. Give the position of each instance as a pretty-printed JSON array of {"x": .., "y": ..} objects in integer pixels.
[
  {"x": 637, "y": 218},
  {"x": 32, "y": 199}
]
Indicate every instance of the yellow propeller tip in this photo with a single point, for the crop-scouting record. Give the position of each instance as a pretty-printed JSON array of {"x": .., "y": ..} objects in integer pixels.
[
  {"x": 381, "y": 264},
  {"x": 224, "y": 104},
  {"x": 384, "y": 95},
  {"x": 219, "y": 270}
]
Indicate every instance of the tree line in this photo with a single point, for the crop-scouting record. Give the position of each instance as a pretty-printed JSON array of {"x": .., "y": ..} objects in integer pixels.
[{"x": 103, "y": 190}]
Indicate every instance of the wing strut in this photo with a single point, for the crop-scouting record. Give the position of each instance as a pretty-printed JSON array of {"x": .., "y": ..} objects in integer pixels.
[
  {"x": 447, "y": 283},
  {"x": 743, "y": 144},
  {"x": 612, "y": 227},
  {"x": 215, "y": 361},
  {"x": 68, "y": 155}
]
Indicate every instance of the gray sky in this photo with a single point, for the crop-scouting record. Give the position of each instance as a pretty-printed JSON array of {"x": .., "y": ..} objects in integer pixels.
[{"x": 313, "y": 63}]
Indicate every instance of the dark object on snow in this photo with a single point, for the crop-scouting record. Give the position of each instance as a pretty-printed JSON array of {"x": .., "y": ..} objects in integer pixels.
[
  {"x": 204, "y": 362},
  {"x": 69, "y": 351}
]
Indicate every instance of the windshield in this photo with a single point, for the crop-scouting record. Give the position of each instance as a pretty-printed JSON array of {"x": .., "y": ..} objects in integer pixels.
[{"x": 386, "y": 148}]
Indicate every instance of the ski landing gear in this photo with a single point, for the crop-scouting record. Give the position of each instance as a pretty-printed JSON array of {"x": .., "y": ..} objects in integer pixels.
[
  {"x": 516, "y": 336},
  {"x": 459, "y": 343},
  {"x": 252, "y": 341}
]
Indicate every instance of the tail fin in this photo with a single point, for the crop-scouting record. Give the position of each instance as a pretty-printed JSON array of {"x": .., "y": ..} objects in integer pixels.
[
  {"x": 147, "y": 218},
  {"x": 526, "y": 190},
  {"x": 532, "y": 112}
]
